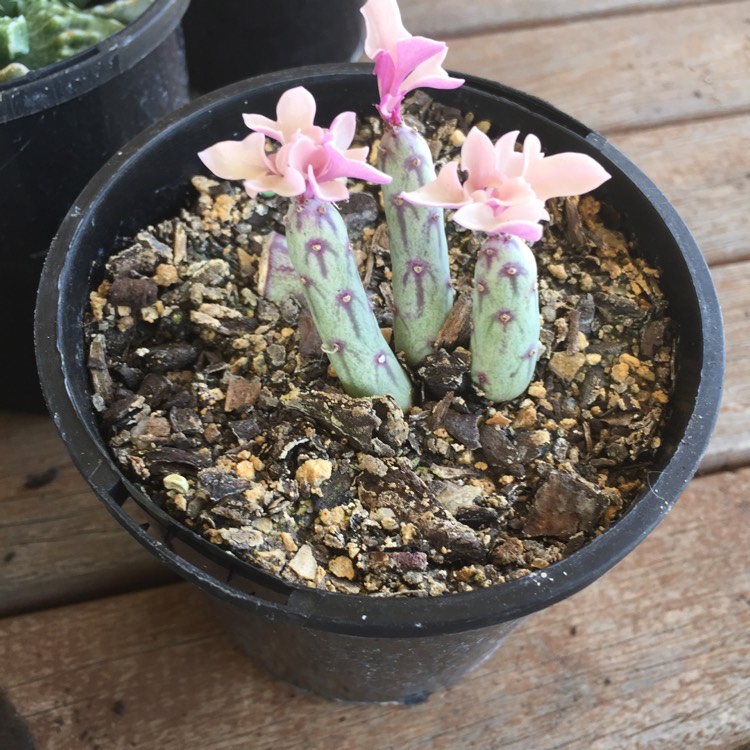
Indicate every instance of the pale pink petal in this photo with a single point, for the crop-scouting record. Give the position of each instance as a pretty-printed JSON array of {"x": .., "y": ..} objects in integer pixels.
[
  {"x": 444, "y": 192},
  {"x": 338, "y": 165},
  {"x": 427, "y": 80},
  {"x": 300, "y": 154},
  {"x": 333, "y": 191},
  {"x": 383, "y": 25},
  {"x": 385, "y": 71},
  {"x": 427, "y": 71},
  {"x": 532, "y": 152},
  {"x": 478, "y": 160},
  {"x": 532, "y": 212},
  {"x": 290, "y": 184},
  {"x": 479, "y": 217},
  {"x": 511, "y": 192},
  {"x": 565, "y": 174},
  {"x": 342, "y": 130},
  {"x": 237, "y": 160},
  {"x": 416, "y": 51},
  {"x": 526, "y": 230},
  {"x": 264, "y": 125},
  {"x": 295, "y": 111},
  {"x": 508, "y": 161}
]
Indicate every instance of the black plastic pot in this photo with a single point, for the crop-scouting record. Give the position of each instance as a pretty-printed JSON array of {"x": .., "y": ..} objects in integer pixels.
[
  {"x": 58, "y": 125},
  {"x": 230, "y": 40},
  {"x": 353, "y": 647}
]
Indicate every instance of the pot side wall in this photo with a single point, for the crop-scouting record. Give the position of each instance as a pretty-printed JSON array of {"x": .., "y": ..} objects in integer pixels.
[{"x": 46, "y": 159}]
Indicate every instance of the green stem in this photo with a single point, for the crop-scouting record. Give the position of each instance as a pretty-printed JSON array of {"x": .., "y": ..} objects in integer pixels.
[
  {"x": 319, "y": 250},
  {"x": 505, "y": 338},
  {"x": 422, "y": 287}
]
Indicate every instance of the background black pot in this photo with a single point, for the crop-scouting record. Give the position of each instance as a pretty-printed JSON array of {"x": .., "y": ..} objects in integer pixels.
[
  {"x": 352, "y": 647},
  {"x": 58, "y": 125},
  {"x": 229, "y": 40}
]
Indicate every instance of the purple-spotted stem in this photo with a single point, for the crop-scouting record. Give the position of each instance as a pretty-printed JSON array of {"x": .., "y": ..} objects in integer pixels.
[
  {"x": 505, "y": 318},
  {"x": 504, "y": 195},
  {"x": 421, "y": 280},
  {"x": 309, "y": 166},
  {"x": 350, "y": 335}
]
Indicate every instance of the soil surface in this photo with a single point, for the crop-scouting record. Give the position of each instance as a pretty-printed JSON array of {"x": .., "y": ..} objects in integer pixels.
[{"x": 222, "y": 406}]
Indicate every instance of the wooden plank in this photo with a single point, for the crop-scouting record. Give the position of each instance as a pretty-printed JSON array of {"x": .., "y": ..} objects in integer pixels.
[
  {"x": 652, "y": 655},
  {"x": 59, "y": 545},
  {"x": 704, "y": 170},
  {"x": 449, "y": 18},
  {"x": 730, "y": 444},
  {"x": 57, "y": 542},
  {"x": 625, "y": 72}
]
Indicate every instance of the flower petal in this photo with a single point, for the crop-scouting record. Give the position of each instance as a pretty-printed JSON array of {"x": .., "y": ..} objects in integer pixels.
[
  {"x": 327, "y": 190},
  {"x": 526, "y": 230},
  {"x": 445, "y": 191},
  {"x": 532, "y": 212},
  {"x": 237, "y": 160},
  {"x": 416, "y": 51},
  {"x": 342, "y": 130},
  {"x": 508, "y": 161},
  {"x": 426, "y": 65},
  {"x": 299, "y": 154},
  {"x": 565, "y": 174},
  {"x": 295, "y": 111},
  {"x": 383, "y": 25},
  {"x": 339, "y": 165},
  {"x": 479, "y": 217},
  {"x": 532, "y": 152},
  {"x": 385, "y": 71},
  {"x": 264, "y": 125},
  {"x": 511, "y": 192},
  {"x": 357, "y": 154},
  {"x": 478, "y": 160},
  {"x": 290, "y": 184}
]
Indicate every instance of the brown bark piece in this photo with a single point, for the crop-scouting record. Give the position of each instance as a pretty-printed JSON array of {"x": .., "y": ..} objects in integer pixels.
[{"x": 564, "y": 506}]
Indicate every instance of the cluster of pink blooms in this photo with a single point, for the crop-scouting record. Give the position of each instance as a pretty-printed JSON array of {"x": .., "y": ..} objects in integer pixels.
[
  {"x": 310, "y": 159},
  {"x": 504, "y": 192},
  {"x": 402, "y": 62}
]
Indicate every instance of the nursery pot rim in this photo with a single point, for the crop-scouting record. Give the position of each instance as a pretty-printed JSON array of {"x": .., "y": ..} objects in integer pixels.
[
  {"x": 59, "y": 82},
  {"x": 373, "y": 616}
]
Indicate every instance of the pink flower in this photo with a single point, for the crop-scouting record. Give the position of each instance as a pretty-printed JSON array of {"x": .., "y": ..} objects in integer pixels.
[
  {"x": 311, "y": 160},
  {"x": 402, "y": 62},
  {"x": 505, "y": 190}
]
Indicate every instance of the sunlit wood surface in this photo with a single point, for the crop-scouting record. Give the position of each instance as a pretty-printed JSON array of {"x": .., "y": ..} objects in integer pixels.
[{"x": 100, "y": 647}]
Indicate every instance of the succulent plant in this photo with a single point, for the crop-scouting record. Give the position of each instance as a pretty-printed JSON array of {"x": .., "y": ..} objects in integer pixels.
[
  {"x": 35, "y": 33},
  {"x": 505, "y": 332},
  {"x": 503, "y": 196},
  {"x": 307, "y": 167},
  {"x": 14, "y": 39},
  {"x": 422, "y": 288}
]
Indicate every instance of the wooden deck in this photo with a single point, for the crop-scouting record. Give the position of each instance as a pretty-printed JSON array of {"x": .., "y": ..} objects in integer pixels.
[{"x": 101, "y": 648}]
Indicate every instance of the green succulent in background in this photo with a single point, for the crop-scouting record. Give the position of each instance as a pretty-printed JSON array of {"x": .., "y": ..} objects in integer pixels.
[{"x": 36, "y": 33}]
